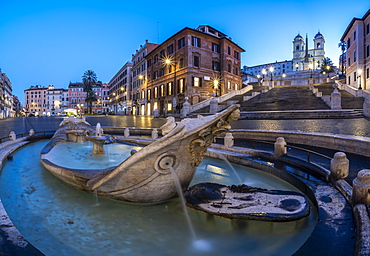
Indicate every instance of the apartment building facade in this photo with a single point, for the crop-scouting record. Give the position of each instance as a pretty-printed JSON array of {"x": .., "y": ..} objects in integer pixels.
[
  {"x": 77, "y": 97},
  {"x": 357, "y": 37},
  {"x": 192, "y": 64},
  {"x": 6, "y": 96},
  {"x": 140, "y": 104},
  {"x": 119, "y": 91},
  {"x": 35, "y": 100}
]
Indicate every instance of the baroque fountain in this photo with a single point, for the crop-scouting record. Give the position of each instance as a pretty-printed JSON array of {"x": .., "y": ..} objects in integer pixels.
[{"x": 259, "y": 209}]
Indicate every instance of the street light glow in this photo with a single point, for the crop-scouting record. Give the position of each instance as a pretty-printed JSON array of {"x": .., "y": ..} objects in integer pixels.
[
  {"x": 271, "y": 69},
  {"x": 359, "y": 72}
]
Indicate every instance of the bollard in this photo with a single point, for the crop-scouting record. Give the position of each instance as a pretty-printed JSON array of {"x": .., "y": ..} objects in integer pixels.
[
  {"x": 361, "y": 188},
  {"x": 12, "y": 136},
  {"x": 32, "y": 132},
  {"x": 213, "y": 105},
  {"x": 228, "y": 140},
  {"x": 280, "y": 147},
  {"x": 126, "y": 133},
  {"x": 366, "y": 107},
  {"x": 339, "y": 166},
  {"x": 186, "y": 108},
  {"x": 154, "y": 134}
]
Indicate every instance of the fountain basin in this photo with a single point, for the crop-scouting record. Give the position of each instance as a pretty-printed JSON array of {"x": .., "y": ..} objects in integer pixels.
[{"x": 60, "y": 220}]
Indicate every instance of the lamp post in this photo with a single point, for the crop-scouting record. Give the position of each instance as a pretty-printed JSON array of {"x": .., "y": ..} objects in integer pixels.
[
  {"x": 169, "y": 62},
  {"x": 296, "y": 66},
  {"x": 359, "y": 78},
  {"x": 259, "y": 80},
  {"x": 264, "y": 72},
  {"x": 271, "y": 69},
  {"x": 310, "y": 66},
  {"x": 216, "y": 84},
  {"x": 328, "y": 69}
]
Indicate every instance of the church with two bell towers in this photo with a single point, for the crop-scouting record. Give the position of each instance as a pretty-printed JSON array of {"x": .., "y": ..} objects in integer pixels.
[{"x": 307, "y": 59}]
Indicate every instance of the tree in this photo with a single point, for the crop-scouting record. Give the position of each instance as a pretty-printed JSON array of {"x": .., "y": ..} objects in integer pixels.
[
  {"x": 89, "y": 79},
  {"x": 343, "y": 47},
  {"x": 327, "y": 66}
]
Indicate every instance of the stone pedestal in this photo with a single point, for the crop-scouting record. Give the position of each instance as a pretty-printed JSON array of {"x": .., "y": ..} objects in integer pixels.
[
  {"x": 336, "y": 101},
  {"x": 126, "y": 133},
  {"x": 98, "y": 145},
  {"x": 339, "y": 166},
  {"x": 213, "y": 106},
  {"x": 185, "y": 110},
  {"x": 12, "y": 136},
  {"x": 229, "y": 140},
  {"x": 361, "y": 188},
  {"x": 154, "y": 134},
  {"x": 280, "y": 147},
  {"x": 367, "y": 107}
]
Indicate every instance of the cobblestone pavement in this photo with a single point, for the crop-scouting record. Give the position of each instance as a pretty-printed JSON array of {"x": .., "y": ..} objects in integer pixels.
[{"x": 355, "y": 126}]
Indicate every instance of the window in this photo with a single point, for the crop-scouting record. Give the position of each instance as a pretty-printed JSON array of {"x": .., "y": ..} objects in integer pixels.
[
  {"x": 228, "y": 85},
  {"x": 181, "y": 63},
  {"x": 354, "y": 76},
  {"x": 216, "y": 65},
  {"x": 229, "y": 50},
  {"x": 348, "y": 42},
  {"x": 149, "y": 63},
  {"x": 181, "y": 42},
  {"x": 169, "y": 88},
  {"x": 367, "y": 51},
  {"x": 155, "y": 60},
  {"x": 155, "y": 92},
  {"x": 181, "y": 86},
  {"x": 349, "y": 80},
  {"x": 155, "y": 74},
  {"x": 196, "y": 61},
  {"x": 354, "y": 36},
  {"x": 236, "y": 55},
  {"x": 149, "y": 94},
  {"x": 170, "y": 49},
  {"x": 161, "y": 54},
  {"x": 195, "y": 41},
  {"x": 349, "y": 61},
  {"x": 367, "y": 28},
  {"x": 354, "y": 56},
  {"x": 162, "y": 90},
  {"x": 197, "y": 81},
  {"x": 236, "y": 87},
  {"x": 236, "y": 71},
  {"x": 216, "y": 47},
  {"x": 367, "y": 73},
  {"x": 229, "y": 67},
  {"x": 161, "y": 72}
]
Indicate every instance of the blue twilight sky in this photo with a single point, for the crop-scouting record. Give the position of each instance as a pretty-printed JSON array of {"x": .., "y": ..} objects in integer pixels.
[{"x": 56, "y": 41}]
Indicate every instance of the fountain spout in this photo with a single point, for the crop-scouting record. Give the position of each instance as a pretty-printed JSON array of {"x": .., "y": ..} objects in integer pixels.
[{"x": 98, "y": 130}]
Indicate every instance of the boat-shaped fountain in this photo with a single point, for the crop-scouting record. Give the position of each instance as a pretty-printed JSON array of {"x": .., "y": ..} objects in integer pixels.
[{"x": 145, "y": 176}]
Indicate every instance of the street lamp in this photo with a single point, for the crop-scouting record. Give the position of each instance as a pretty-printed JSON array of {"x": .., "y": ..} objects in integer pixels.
[
  {"x": 310, "y": 66},
  {"x": 328, "y": 68},
  {"x": 359, "y": 77},
  {"x": 171, "y": 63},
  {"x": 259, "y": 79},
  {"x": 296, "y": 66},
  {"x": 264, "y": 72},
  {"x": 271, "y": 69},
  {"x": 216, "y": 83}
]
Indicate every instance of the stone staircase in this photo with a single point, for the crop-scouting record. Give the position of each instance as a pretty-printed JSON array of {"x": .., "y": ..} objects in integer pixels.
[
  {"x": 348, "y": 100},
  {"x": 292, "y": 97}
]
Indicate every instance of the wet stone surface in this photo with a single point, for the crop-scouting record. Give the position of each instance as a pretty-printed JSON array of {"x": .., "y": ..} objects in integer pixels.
[{"x": 245, "y": 202}]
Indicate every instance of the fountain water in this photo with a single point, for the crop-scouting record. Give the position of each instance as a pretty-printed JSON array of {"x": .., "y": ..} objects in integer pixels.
[{"x": 59, "y": 219}]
